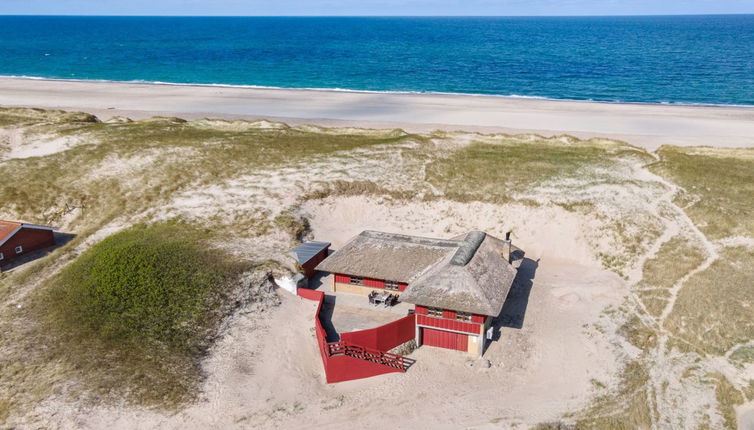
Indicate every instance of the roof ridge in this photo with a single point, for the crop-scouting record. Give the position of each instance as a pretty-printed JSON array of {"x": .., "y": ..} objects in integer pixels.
[
  {"x": 469, "y": 246},
  {"x": 419, "y": 240}
]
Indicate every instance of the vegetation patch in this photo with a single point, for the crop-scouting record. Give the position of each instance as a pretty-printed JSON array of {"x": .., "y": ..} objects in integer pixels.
[
  {"x": 718, "y": 187},
  {"x": 743, "y": 355},
  {"x": 128, "y": 167},
  {"x": 295, "y": 225},
  {"x": 343, "y": 188},
  {"x": 138, "y": 310},
  {"x": 27, "y": 116},
  {"x": 625, "y": 409},
  {"x": 639, "y": 334},
  {"x": 727, "y": 398},
  {"x": 673, "y": 261},
  {"x": 714, "y": 311},
  {"x": 496, "y": 171}
]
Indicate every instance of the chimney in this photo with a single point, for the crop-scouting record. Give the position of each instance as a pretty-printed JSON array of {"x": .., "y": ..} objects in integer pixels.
[{"x": 507, "y": 248}]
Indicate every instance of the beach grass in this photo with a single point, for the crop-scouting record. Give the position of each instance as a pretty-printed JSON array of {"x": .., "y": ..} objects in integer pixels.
[
  {"x": 116, "y": 173},
  {"x": 718, "y": 187},
  {"x": 714, "y": 310},
  {"x": 126, "y": 168},
  {"x": 496, "y": 170},
  {"x": 16, "y": 117},
  {"x": 121, "y": 172},
  {"x": 728, "y": 397},
  {"x": 626, "y": 407},
  {"x": 564, "y": 171},
  {"x": 135, "y": 313},
  {"x": 673, "y": 261}
]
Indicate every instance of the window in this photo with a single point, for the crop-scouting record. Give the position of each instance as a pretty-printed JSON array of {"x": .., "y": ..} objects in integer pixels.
[
  {"x": 463, "y": 316},
  {"x": 434, "y": 312},
  {"x": 19, "y": 249},
  {"x": 391, "y": 285},
  {"x": 356, "y": 280},
  {"x": 2, "y": 257}
]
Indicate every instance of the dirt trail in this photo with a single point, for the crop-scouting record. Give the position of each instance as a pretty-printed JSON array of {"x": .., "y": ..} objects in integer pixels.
[{"x": 664, "y": 365}]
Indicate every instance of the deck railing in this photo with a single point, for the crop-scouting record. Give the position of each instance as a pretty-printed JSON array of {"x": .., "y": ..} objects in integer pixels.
[{"x": 369, "y": 354}]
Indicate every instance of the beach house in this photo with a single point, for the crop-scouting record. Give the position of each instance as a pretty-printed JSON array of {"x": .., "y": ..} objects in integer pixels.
[
  {"x": 457, "y": 286},
  {"x": 17, "y": 239}
]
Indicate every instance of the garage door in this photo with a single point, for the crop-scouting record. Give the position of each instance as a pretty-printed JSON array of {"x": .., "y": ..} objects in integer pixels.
[{"x": 445, "y": 339}]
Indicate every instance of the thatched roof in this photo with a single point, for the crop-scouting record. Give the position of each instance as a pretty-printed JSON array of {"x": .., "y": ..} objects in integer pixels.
[
  {"x": 475, "y": 281},
  {"x": 467, "y": 274},
  {"x": 394, "y": 257}
]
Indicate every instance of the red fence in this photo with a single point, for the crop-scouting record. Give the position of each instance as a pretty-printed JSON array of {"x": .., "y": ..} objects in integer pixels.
[
  {"x": 345, "y": 360},
  {"x": 384, "y": 337},
  {"x": 319, "y": 297}
]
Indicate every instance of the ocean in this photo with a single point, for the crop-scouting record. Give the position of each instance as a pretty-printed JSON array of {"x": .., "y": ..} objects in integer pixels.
[{"x": 655, "y": 59}]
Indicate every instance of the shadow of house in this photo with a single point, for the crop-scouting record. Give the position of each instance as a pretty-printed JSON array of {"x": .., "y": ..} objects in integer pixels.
[
  {"x": 514, "y": 309},
  {"x": 325, "y": 317},
  {"x": 317, "y": 282},
  {"x": 61, "y": 239}
]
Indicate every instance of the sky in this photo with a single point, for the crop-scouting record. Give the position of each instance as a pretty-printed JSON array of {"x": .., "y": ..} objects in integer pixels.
[{"x": 374, "y": 7}]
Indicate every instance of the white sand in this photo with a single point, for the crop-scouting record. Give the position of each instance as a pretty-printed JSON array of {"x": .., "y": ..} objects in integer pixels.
[
  {"x": 645, "y": 125},
  {"x": 266, "y": 373}
]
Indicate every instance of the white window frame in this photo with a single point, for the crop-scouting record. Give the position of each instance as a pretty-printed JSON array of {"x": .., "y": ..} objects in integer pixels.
[
  {"x": 463, "y": 316},
  {"x": 434, "y": 312},
  {"x": 19, "y": 249},
  {"x": 2, "y": 257},
  {"x": 391, "y": 285},
  {"x": 356, "y": 280}
]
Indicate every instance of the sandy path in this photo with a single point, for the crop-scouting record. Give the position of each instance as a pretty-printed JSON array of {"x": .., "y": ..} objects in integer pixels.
[{"x": 646, "y": 125}]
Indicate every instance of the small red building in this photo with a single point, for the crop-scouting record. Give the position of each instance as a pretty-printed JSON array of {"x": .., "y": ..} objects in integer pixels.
[
  {"x": 17, "y": 239},
  {"x": 309, "y": 254},
  {"x": 457, "y": 285}
]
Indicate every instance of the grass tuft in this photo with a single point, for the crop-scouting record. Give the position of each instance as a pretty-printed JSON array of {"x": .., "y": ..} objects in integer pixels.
[{"x": 141, "y": 306}]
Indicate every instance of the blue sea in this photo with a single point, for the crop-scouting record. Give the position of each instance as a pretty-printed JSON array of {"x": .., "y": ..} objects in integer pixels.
[{"x": 659, "y": 59}]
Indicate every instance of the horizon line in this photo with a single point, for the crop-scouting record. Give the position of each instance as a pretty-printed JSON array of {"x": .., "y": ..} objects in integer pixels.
[{"x": 368, "y": 16}]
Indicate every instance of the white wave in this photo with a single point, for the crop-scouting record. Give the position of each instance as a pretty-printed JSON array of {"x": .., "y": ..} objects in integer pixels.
[{"x": 349, "y": 90}]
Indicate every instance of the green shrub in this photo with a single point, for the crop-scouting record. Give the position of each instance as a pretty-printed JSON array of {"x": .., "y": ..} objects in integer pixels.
[{"x": 143, "y": 304}]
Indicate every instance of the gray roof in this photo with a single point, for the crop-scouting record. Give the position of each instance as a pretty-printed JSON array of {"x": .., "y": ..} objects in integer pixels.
[
  {"x": 307, "y": 250},
  {"x": 478, "y": 284},
  {"x": 393, "y": 257},
  {"x": 467, "y": 274}
]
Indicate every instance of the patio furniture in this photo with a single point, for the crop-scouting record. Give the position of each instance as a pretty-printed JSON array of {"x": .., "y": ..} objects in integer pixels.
[
  {"x": 379, "y": 298},
  {"x": 390, "y": 300}
]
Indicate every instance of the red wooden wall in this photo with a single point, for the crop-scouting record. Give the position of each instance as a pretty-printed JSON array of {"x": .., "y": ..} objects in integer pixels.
[
  {"x": 456, "y": 325},
  {"x": 319, "y": 297},
  {"x": 311, "y": 264},
  {"x": 30, "y": 239},
  {"x": 341, "y": 368},
  {"x": 475, "y": 318},
  {"x": 445, "y": 339},
  {"x": 368, "y": 282},
  {"x": 384, "y": 337}
]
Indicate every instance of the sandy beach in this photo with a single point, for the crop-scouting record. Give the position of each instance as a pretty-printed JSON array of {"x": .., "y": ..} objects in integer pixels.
[{"x": 649, "y": 126}]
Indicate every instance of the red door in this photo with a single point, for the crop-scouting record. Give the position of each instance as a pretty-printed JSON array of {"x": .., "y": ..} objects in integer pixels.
[{"x": 445, "y": 339}]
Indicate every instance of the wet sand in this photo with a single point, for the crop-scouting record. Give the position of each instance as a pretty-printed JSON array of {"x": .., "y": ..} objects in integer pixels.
[{"x": 641, "y": 124}]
